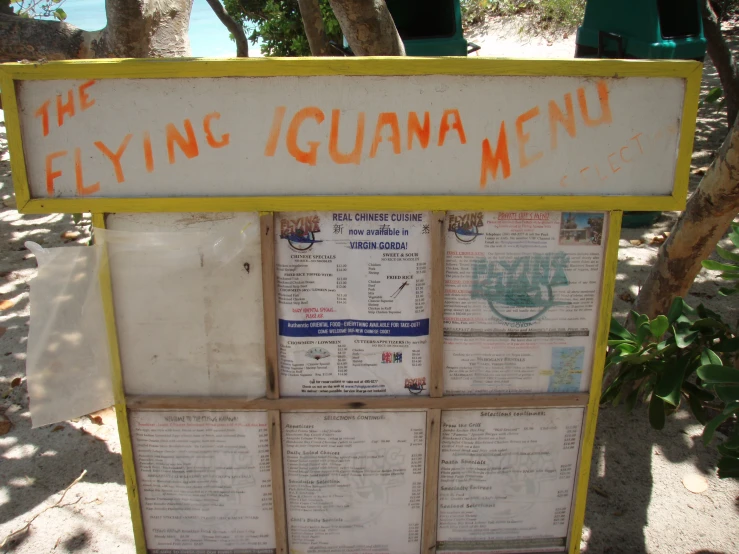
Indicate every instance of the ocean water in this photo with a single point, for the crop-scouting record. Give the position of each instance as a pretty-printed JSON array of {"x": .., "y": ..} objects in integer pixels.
[{"x": 208, "y": 37}]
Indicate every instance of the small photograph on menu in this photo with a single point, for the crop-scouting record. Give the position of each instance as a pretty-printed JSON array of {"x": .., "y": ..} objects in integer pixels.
[
  {"x": 353, "y": 302},
  {"x": 521, "y": 301},
  {"x": 354, "y": 481},
  {"x": 506, "y": 479},
  {"x": 204, "y": 480}
]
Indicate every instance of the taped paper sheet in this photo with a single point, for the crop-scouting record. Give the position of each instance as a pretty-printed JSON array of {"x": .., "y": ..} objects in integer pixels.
[
  {"x": 506, "y": 479},
  {"x": 354, "y": 481},
  {"x": 353, "y": 302},
  {"x": 521, "y": 301},
  {"x": 188, "y": 297},
  {"x": 204, "y": 480},
  {"x": 68, "y": 364}
]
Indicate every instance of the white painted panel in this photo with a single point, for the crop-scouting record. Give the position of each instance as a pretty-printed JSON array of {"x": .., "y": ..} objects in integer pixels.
[
  {"x": 188, "y": 298},
  {"x": 564, "y": 135}
]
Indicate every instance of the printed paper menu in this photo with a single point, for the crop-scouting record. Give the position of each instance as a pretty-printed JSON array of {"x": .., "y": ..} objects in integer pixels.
[
  {"x": 506, "y": 479},
  {"x": 521, "y": 301},
  {"x": 353, "y": 302},
  {"x": 354, "y": 481},
  {"x": 204, "y": 480}
]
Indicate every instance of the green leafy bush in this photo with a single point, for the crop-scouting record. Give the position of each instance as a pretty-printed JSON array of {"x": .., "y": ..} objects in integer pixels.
[
  {"x": 39, "y": 9},
  {"x": 279, "y": 26},
  {"x": 687, "y": 355}
]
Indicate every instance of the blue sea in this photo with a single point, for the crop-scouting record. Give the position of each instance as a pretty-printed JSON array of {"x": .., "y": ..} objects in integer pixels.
[{"x": 208, "y": 37}]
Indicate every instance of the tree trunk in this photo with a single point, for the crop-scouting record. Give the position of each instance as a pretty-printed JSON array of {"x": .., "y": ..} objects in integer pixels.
[
  {"x": 368, "y": 27},
  {"x": 722, "y": 59},
  {"x": 235, "y": 28},
  {"x": 34, "y": 39},
  {"x": 705, "y": 220},
  {"x": 310, "y": 11},
  {"x": 135, "y": 29}
]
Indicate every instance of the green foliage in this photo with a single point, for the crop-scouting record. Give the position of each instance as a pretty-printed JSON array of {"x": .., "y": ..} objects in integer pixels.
[
  {"x": 730, "y": 269},
  {"x": 279, "y": 25},
  {"x": 545, "y": 13},
  {"x": 679, "y": 357},
  {"x": 41, "y": 9}
]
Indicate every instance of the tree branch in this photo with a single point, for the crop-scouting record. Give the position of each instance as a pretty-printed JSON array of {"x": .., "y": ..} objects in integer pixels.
[
  {"x": 705, "y": 220},
  {"x": 56, "y": 504},
  {"x": 33, "y": 39},
  {"x": 368, "y": 27},
  {"x": 310, "y": 11},
  {"x": 722, "y": 59},
  {"x": 236, "y": 29}
]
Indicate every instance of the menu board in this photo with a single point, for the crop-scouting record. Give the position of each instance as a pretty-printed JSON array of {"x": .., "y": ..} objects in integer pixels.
[
  {"x": 354, "y": 481},
  {"x": 204, "y": 481},
  {"x": 353, "y": 302},
  {"x": 521, "y": 301},
  {"x": 506, "y": 479}
]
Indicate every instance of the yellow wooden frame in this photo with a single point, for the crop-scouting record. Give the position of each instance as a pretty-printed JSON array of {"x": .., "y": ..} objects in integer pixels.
[
  {"x": 588, "y": 400},
  {"x": 12, "y": 73}
]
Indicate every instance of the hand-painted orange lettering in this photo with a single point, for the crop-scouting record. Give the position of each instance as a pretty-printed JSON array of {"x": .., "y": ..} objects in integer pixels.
[
  {"x": 636, "y": 138},
  {"x": 610, "y": 163},
  {"x": 582, "y": 174},
  {"x": 82, "y": 190},
  {"x": 605, "y": 106},
  {"x": 274, "y": 134},
  {"x": 491, "y": 162},
  {"x": 563, "y": 182},
  {"x": 189, "y": 145},
  {"x": 63, "y": 108},
  {"x": 148, "y": 154},
  {"x": 43, "y": 113},
  {"x": 567, "y": 121},
  {"x": 115, "y": 157},
  {"x": 386, "y": 119},
  {"x": 355, "y": 155},
  {"x": 621, "y": 153},
  {"x": 523, "y": 138},
  {"x": 51, "y": 175},
  {"x": 445, "y": 127},
  {"x": 309, "y": 156},
  {"x": 212, "y": 142},
  {"x": 602, "y": 177},
  {"x": 85, "y": 101},
  {"x": 422, "y": 133}
]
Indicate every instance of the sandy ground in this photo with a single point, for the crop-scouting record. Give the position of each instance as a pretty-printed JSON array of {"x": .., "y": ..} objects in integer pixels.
[{"x": 637, "y": 502}]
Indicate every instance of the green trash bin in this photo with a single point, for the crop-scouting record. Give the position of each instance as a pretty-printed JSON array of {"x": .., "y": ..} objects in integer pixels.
[
  {"x": 641, "y": 29},
  {"x": 428, "y": 28}
]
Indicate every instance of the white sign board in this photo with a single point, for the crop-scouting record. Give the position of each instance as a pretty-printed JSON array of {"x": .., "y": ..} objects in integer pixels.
[{"x": 351, "y": 135}]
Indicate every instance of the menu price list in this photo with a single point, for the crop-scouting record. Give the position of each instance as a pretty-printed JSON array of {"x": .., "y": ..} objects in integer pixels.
[
  {"x": 204, "y": 480},
  {"x": 507, "y": 478},
  {"x": 353, "y": 302},
  {"x": 521, "y": 300},
  {"x": 354, "y": 481}
]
